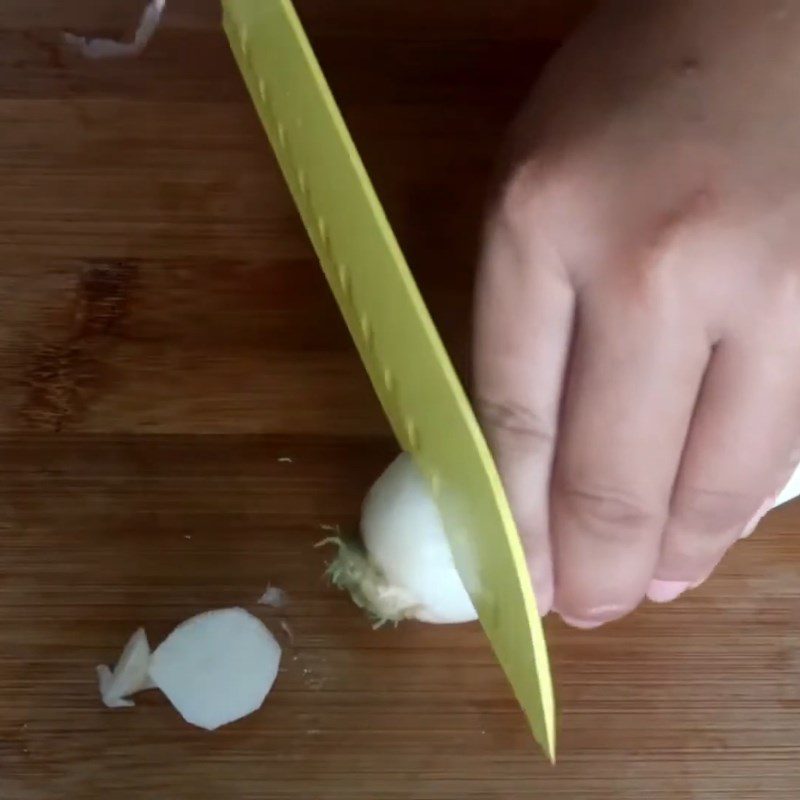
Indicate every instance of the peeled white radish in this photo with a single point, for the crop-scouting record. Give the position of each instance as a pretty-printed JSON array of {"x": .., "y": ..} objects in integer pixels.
[
  {"x": 405, "y": 569},
  {"x": 217, "y": 667},
  {"x": 129, "y": 675}
]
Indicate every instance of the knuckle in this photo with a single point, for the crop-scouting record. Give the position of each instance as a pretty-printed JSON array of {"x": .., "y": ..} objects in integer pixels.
[
  {"x": 516, "y": 421},
  {"x": 684, "y": 216},
  {"x": 522, "y": 192},
  {"x": 712, "y": 511},
  {"x": 607, "y": 513},
  {"x": 687, "y": 556},
  {"x": 656, "y": 256}
]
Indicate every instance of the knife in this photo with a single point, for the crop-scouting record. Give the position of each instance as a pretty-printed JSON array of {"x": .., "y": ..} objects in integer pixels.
[{"x": 404, "y": 356}]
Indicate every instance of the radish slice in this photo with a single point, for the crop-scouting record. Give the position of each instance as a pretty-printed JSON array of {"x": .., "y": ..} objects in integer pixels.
[
  {"x": 129, "y": 675},
  {"x": 273, "y": 596},
  {"x": 217, "y": 667},
  {"x": 147, "y": 684},
  {"x": 112, "y": 48}
]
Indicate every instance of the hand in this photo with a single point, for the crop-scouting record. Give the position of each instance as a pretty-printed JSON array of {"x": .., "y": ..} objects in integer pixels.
[{"x": 638, "y": 306}]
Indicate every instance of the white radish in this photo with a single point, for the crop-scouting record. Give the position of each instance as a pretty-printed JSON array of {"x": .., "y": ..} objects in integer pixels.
[
  {"x": 405, "y": 569},
  {"x": 217, "y": 667},
  {"x": 129, "y": 675}
]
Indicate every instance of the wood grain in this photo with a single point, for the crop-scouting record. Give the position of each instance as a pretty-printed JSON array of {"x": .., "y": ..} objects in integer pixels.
[{"x": 166, "y": 337}]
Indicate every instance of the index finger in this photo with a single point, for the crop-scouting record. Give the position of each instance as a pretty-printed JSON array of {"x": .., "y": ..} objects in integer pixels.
[{"x": 523, "y": 322}]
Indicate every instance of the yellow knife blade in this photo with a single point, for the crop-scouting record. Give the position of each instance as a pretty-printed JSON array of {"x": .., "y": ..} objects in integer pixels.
[{"x": 395, "y": 336}]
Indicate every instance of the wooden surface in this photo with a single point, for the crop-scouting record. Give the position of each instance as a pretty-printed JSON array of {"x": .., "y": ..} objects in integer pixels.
[{"x": 166, "y": 337}]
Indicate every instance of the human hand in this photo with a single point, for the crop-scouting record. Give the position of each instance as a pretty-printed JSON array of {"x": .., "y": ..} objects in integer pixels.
[{"x": 638, "y": 307}]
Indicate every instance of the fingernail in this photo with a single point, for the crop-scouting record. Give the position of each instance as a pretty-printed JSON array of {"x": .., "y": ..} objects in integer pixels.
[
  {"x": 542, "y": 584},
  {"x": 757, "y": 517},
  {"x": 702, "y": 580},
  {"x": 595, "y": 617},
  {"x": 544, "y": 603},
  {"x": 584, "y": 624},
  {"x": 666, "y": 591}
]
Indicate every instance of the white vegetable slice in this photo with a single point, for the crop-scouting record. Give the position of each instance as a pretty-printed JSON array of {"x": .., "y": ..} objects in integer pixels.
[
  {"x": 112, "y": 48},
  {"x": 273, "y": 596},
  {"x": 217, "y": 667},
  {"x": 129, "y": 675},
  {"x": 147, "y": 684}
]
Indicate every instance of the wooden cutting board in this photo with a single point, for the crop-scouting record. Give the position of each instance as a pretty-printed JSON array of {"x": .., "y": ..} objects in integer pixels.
[{"x": 166, "y": 339}]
